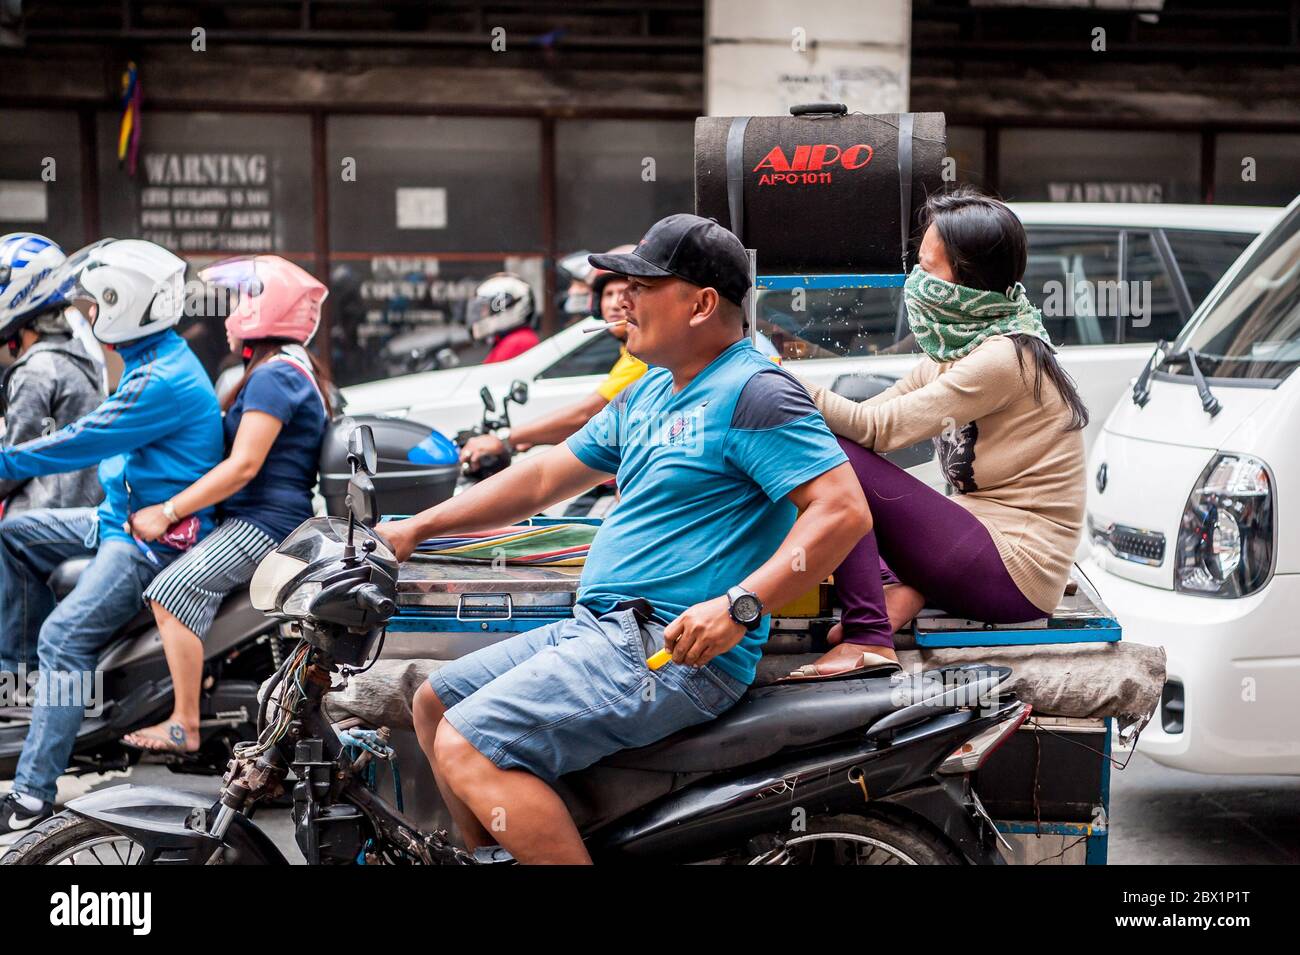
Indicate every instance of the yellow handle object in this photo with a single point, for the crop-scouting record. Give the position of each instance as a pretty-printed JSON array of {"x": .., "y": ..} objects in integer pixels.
[{"x": 659, "y": 659}]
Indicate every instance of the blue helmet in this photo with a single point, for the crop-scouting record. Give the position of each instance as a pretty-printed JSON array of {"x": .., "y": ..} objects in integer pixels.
[{"x": 32, "y": 280}]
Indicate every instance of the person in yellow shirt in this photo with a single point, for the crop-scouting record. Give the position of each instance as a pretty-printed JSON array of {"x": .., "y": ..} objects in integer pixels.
[{"x": 606, "y": 291}]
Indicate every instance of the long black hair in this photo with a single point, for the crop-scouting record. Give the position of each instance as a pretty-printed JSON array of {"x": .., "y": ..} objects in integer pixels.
[{"x": 988, "y": 250}]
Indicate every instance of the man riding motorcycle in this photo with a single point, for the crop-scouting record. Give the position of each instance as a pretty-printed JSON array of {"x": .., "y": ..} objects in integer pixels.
[
  {"x": 607, "y": 296},
  {"x": 54, "y": 380},
  {"x": 726, "y": 471},
  {"x": 156, "y": 434},
  {"x": 503, "y": 311}
]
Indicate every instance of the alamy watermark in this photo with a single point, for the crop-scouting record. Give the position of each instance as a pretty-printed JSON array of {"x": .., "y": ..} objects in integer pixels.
[
  {"x": 1103, "y": 298},
  {"x": 83, "y": 689}
]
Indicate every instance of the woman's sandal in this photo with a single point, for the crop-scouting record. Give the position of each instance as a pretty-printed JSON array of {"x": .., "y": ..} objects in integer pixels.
[
  {"x": 871, "y": 664},
  {"x": 176, "y": 740}
]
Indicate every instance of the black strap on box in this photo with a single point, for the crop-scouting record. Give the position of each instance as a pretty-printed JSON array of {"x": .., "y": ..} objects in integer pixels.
[
  {"x": 906, "y": 121},
  {"x": 736, "y": 176}
]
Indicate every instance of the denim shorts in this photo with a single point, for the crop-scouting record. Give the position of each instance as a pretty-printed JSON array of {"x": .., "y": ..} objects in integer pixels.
[{"x": 559, "y": 698}]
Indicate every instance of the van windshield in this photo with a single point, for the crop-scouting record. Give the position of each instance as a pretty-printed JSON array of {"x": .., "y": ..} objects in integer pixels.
[{"x": 1252, "y": 330}]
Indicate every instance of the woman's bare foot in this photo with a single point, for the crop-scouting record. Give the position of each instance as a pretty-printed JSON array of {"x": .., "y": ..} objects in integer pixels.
[
  {"x": 843, "y": 659},
  {"x": 170, "y": 736}
]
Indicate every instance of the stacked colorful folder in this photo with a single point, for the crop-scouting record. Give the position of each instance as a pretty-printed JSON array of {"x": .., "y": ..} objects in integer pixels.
[{"x": 563, "y": 545}]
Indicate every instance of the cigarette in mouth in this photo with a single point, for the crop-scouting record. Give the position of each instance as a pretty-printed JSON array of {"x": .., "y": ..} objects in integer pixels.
[{"x": 601, "y": 328}]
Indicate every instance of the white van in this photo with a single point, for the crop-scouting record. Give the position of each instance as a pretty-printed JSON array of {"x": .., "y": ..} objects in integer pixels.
[{"x": 1195, "y": 525}]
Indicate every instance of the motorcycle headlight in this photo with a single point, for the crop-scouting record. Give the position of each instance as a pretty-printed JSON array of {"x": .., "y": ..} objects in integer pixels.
[
  {"x": 274, "y": 572},
  {"x": 296, "y": 604},
  {"x": 1225, "y": 540}
]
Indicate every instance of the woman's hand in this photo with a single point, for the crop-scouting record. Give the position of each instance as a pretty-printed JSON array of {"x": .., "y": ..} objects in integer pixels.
[{"x": 149, "y": 524}]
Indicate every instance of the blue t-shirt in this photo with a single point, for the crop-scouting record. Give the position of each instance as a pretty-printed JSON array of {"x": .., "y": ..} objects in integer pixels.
[
  {"x": 279, "y": 498},
  {"x": 703, "y": 476}
]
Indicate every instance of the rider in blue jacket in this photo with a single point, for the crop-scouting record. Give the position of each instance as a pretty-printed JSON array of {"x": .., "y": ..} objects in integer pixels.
[{"x": 153, "y": 437}]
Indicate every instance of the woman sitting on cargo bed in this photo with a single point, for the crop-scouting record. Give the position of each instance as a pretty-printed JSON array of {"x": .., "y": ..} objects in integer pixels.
[
  {"x": 275, "y": 422},
  {"x": 1007, "y": 423}
]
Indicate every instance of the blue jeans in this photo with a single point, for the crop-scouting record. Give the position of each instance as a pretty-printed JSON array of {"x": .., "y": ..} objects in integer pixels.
[
  {"x": 68, "y": 635},
  {"x": 557, "y": 699}
]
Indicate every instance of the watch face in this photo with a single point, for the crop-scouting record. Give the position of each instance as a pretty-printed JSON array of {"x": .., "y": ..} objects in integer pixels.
[{"x": 747, "y": 608}]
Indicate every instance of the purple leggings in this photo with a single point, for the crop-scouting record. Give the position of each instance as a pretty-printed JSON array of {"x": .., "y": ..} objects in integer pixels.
[{"x": 927, "y": 541}]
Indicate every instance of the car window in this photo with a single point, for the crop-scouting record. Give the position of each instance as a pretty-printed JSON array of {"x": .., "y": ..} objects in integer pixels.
[
  {"x": 1203, "y": 257},
  {"x": 1072, "y": 275},
  {"x": 1149, "y": 310},
  {"x": 595, "y": 357}
]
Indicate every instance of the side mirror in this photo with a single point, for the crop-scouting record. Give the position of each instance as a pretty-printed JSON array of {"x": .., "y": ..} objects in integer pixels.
[
  {"x": 488, "y": 401},
  {"x": 363, "y": 503},
  {"x": 519, "y": 392},
  {"x": 361, "y": 450}
]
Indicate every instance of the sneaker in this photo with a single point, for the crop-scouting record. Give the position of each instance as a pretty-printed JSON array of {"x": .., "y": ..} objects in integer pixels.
[{"x": 15, "y": 817}]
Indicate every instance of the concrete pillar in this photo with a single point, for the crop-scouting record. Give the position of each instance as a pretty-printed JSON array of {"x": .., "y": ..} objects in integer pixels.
[{"x": 763, "y": 56}]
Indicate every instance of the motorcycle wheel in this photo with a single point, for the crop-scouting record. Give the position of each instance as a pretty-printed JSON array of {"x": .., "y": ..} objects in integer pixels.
[
  {"x": 70, "y": 839},
  {"x": 860, "y": 840}
]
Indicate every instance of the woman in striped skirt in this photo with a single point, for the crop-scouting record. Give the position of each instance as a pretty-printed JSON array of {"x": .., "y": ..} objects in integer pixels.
[{"x": 275, "y": 421}]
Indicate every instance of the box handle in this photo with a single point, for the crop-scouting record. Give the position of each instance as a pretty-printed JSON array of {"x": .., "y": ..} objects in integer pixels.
[{"x": 481, "y": 606}]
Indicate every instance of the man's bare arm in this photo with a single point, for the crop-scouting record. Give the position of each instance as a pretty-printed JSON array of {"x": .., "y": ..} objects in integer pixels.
[
  {"x": 549, "y": 429},
  {"x": 520, "y": 491},
  {"x": 558, "y": 425},
  {"x": 833, "y": 517}
]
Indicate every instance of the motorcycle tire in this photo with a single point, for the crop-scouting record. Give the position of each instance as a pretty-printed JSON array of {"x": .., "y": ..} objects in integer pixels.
[
  {"x": 63, "y": 835},
  {"x": 850, "y": 839}
]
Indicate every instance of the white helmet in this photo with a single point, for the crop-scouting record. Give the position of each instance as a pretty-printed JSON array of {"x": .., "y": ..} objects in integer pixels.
[
  {"x": 137, "y": 288},
  {"x": 501, "y": 303}
]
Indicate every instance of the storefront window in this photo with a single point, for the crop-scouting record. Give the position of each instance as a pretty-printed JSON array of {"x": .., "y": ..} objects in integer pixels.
[
  {"x": 40, "y": 178},
  {"x": 966, "y": 148},
  {"x": 40, "y": 175},
  {"x": 1256, "y": 169},
  {"x": 208, "y": 186},
  {"x": 1098, "y": 165},
  {"x": 616, "y": 177},
  {"x": 422, "y": 209}
]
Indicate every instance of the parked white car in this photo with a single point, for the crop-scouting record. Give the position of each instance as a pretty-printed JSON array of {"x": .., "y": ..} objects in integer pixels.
[
  {"x": 1176, "y": 253},
  {"x": 1195, "y": 525}
]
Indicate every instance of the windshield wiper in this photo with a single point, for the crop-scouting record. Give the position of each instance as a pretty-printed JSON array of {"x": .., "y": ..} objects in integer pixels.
[
  {"x": 1142, "y": 387},
  {"x": 1208, "y": 402}
]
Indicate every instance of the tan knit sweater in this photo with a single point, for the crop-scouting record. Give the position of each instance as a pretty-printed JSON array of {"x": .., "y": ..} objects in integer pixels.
[{"x": 1009, "y": 458}]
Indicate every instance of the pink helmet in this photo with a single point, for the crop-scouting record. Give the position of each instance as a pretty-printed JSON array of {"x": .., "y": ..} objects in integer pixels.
[{"x": 270, "y": 297}]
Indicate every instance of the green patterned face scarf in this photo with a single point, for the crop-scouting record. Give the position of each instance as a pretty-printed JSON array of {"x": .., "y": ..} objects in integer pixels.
[{"x": 949, "y": 320}]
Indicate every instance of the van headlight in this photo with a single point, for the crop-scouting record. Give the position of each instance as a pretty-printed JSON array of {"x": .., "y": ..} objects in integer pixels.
[{"x": 1225, "y": 539}]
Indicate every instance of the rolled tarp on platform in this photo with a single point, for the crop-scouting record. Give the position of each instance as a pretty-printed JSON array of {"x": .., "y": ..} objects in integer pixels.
[{"x": 822, "y": 192}]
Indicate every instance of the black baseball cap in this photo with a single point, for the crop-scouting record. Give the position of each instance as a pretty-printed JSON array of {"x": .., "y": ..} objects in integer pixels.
[{"x": 691, "y": 248}]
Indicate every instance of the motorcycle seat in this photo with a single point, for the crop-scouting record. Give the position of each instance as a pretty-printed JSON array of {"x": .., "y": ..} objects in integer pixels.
[{"x": 772, "y": 718}]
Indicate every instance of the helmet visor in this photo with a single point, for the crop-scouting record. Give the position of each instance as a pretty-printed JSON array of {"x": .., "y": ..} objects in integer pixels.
[{"x": 226, "y": 284}]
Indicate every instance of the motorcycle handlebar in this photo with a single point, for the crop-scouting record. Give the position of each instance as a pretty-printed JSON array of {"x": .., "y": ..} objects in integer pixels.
[{"x": 375, "y": 600}]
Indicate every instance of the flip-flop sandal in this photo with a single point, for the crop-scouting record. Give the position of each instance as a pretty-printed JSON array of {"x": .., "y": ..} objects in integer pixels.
[
  {"x": 871, "y": 664},
  {"x": 174, "y": 742}
]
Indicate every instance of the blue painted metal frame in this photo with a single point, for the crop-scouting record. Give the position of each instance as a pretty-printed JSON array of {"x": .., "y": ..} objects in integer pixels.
[
  {"x": 1100, "y": 630},
  {"x": 787, "y": 283}
]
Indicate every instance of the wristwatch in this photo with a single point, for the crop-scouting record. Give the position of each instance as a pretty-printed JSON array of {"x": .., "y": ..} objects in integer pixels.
[
  {"x": 169, "y": 511},
  {"x": 503, "y": 435},
  {"x": 746, "y": 608}
]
